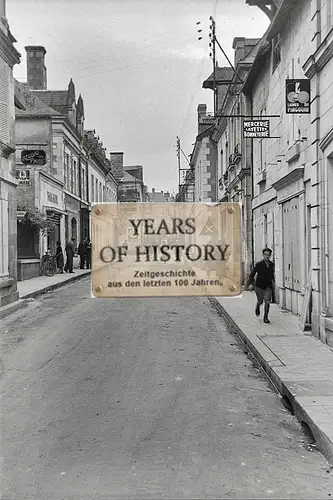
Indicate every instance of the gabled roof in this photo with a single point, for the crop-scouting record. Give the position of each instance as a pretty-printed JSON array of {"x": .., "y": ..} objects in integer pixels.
[
  {"x": 31, "y": 103},
  {"x": 55, "y": 99},
  {"x": 129, "y": 178},
  {"x": 135, "y": 170}
]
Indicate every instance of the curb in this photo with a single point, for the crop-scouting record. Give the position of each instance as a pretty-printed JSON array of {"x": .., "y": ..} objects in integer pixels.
[
  {"x": 323, "y": 442},
  {"x": 12, "y": 308},
  {"x": 55, "y": 286}
]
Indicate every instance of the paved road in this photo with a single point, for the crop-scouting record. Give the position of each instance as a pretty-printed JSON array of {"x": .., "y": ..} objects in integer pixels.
[{"x": 142, "y": 399}]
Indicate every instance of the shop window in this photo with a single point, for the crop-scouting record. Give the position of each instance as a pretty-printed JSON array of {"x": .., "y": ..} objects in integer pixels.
[{"x": 27, "y": 241}]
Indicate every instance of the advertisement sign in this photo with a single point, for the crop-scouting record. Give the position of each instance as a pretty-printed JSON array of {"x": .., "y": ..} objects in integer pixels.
[
  {"x": 255, "y": 129},
  {"x": 166, "y": 249},
  {"x": 33, "y": 157},
  {"x": 23, "y": 177},
  {"x": 298, "y": 96}
]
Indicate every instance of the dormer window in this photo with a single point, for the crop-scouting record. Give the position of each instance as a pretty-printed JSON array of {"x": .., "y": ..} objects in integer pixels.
[{"x": 276, "y": 52}]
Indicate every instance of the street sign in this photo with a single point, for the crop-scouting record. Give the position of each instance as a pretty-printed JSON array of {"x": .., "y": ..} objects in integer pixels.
[
  {"x": 256, "y": 129},
  {"x": 167, "y": 253},
  {"x": 298, "y": 96}
]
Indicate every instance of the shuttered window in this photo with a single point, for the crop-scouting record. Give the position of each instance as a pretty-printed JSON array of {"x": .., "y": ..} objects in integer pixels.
[{"x": 4, "y": 102}]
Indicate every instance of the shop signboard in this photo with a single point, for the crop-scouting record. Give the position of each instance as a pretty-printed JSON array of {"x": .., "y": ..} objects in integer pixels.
[
  {"x": 33, "y": 157},
  {"x": 298, "y": 96},
  {"x": 256, "y": 129}
]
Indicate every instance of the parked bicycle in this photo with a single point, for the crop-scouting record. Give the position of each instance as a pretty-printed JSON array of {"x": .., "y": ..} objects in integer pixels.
[{"x": 48, "y": 265}]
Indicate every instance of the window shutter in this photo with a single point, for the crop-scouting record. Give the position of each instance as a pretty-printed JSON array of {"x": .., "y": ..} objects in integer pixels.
[{"x": 4, "y": 97}]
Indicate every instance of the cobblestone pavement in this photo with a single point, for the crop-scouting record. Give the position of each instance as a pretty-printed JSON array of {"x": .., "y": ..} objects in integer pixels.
[{"x": 117, "y": 399}]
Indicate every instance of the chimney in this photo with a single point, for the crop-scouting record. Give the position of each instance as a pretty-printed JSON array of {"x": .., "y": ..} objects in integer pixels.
[
  {"x": 36, "y": 69},
  {"x": 117, "y": 165},
  {"x": 242, "y": 46}
]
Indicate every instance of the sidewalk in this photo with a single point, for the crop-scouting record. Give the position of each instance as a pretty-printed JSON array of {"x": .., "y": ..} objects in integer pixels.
[
  {"x": 299, "y": 365},
  {"x": 34, "y": 287}
]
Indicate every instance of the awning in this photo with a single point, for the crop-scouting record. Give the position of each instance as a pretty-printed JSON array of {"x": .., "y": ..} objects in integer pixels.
[{"x": 53, "y": 217}]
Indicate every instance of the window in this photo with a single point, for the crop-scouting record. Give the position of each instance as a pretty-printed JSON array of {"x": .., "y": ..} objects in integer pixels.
[
  {"x": 100, "y": 192},
  {"x": 263, "y": 147},
  {"x": 67, "y": 171},
  {"x": 92, "y": 189},
  {"x": 4, "y": 250},
  {"x": 74, "y": 177},
  {"x": 83, "y": 175},
  {"x": 96, "y": 190},
  {"x": 276, "y": 52}
]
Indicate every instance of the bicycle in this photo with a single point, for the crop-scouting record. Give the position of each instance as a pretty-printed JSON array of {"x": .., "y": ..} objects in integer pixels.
[{"x": 48, "y": 265}]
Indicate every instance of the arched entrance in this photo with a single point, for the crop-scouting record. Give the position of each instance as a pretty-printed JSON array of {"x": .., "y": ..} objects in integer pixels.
[{"x": 74, "y": 229}]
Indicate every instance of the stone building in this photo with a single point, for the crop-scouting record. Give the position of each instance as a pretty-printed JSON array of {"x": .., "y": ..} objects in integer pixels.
[
  {"x": 204, "y": 155},
  {"x": 61, "y": 167},
  {"x": 234, "y": 179},
  {"x": 8, "y": 184},
  {"x": 292, "y": 170},
  {"x": 159, "y": 196}
]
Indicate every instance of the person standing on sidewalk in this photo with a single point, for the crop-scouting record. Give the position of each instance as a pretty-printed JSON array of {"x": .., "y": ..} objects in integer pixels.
[
  {"x": 82, "y": 252},
  {"x": 70, "y": 251},
  {"x": 88, "y": 253},
  {"x": 262, "y": 276},
  {"x": 59, "y": 258}
]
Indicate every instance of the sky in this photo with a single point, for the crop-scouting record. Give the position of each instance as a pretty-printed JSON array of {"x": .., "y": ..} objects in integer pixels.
[{"x": 138, "y": 65}]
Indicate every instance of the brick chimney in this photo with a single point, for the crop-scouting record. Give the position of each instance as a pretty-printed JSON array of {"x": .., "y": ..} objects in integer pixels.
[
  {"x": 242, "y": 46},
  {"x": 36, "y": 69},
  {"x": 117, "y": 165}
]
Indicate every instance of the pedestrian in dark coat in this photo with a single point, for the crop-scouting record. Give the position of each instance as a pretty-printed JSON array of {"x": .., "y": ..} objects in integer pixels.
[
  {"x": 70, "y": 251},
  {"x": 262, "y": 276},
  {"x": 82, "y": 252},
  {"x": 88, "y": 254},
  {"x": 59, "y": 258}
]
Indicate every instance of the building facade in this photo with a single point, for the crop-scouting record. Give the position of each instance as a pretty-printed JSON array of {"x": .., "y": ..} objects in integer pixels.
[
  {"x": 132, "y": 188},
  {"x": 61, "y": 167},
  {"x": 8, "y": 184},
  {"x": 292, "y": 169},
  {"x": 234, "y": 179},
  {"x": 159, "y": 196}
]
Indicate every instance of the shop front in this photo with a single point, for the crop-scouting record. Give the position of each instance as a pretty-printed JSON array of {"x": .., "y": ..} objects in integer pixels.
[{"x": 72, "y": 219}]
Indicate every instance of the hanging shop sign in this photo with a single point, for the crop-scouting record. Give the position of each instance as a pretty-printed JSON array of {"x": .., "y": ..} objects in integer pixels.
[
  {"x": 33, "y": 157},
  {"x": 256, "y": 129},
  {"x": 172, "y": 249},
  {"x": 23, "y": 177},
  {"x": 298, "y": 96},
  {"x": 20, "y": 214}
]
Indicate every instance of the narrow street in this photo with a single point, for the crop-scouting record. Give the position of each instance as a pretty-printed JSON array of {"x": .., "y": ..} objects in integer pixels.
[{"x": 110, "y": 399}]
